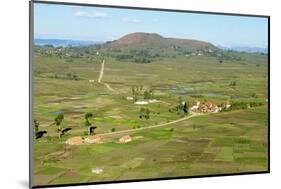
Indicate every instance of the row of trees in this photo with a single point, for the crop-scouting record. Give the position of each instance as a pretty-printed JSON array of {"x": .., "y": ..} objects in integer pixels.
[
  {"x": 139, "y": 90},
  {"x": 68, "y": 76},
  {"x": 58, "y": 122},
  {"x": 242, "y": 105},
  {"x": 142, "y": 56}
]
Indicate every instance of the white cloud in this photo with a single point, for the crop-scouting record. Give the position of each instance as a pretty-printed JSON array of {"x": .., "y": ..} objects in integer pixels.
[
  {"x": 133, "y": 20},
  {"x": 90, "y": 15},
  {"x": 138, "y": 21}
]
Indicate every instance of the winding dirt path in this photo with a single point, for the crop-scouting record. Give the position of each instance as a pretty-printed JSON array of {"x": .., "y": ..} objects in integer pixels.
[
  {"x": 101, "y": 75},
  {"x": 109, "y": 88},
  {"x": 101, "y": 72},
  {"x": 150, "y": 127}
]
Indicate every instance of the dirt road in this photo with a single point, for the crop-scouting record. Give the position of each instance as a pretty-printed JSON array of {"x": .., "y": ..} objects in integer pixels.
[
  {"x": 101, "y": 72},
  {"x": 150, "y": 127},
  {"x": 108, "y": 87},
  {"x": 101, "y": 75}
]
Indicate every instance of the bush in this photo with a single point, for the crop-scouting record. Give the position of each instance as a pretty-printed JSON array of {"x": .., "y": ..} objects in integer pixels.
[
  {"x": 113, "y": 130},
  {"x": 142, "y": 60},
  {"x": 85, "y": 133},
  {"x": 124, "y": 57},
  {"x": 243, "y": 105},
  {"x": 233, "y": 83},
  {"x": 144, "y": 113}
]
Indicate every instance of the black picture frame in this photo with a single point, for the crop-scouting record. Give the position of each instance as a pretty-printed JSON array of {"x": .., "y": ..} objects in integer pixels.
[{"x": 31, "y": 45}]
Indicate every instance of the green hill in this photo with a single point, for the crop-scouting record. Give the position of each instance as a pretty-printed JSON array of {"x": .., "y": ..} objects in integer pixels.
[{"x": 153, "y": 40}]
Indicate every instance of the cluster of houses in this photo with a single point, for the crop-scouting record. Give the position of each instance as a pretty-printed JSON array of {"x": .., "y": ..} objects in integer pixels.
[
  {"x": 194, "y": 54},
  {"x": 208, "y": 107}
]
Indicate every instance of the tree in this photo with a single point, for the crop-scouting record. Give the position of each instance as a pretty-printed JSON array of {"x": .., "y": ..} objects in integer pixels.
[
  {"x": 146, "y": 95},
  {"x": 254, "y": 95},
  {"x": 133, "y": 90},
  {"x": 151, "y": 92},
  {"x": 58, "y": 120},
  {"x": 91, "y": 129},
  {"x": 182, "y": 107},
  {"x": 141, "y": 113},
  {"x": 87, "y": 116},
  {"x": 233, "y": 83},
  {"x": 135, "y": 98},
  {"x": 74, "y": 77},
  {"x": 36, "y": 126},
  {"x": 144, "y": 113},
  {"x": 147, "y": 113},
  {"x": 185, "y": 108}
]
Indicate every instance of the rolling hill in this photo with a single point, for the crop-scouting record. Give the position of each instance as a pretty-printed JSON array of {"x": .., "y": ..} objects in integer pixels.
[{"x": 153, "y": 40}]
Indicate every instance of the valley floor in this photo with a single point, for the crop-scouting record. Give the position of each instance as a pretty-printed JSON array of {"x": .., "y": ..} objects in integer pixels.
[{"x": 226, "y": 142}]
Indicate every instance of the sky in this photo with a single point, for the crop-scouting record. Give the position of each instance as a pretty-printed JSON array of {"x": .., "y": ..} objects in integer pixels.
[{"x": 100, "y": 24}]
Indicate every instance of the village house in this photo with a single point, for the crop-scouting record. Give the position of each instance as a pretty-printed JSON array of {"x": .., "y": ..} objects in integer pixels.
[
  {"x": 141, "y": 102},
  {"x": 96, "y": 139},
  {"x": 129, "y": 98},
  {"x": 152, "y": 101},
  {"x": 125, "y": 139},
  {"x": 75, "y": 140}
]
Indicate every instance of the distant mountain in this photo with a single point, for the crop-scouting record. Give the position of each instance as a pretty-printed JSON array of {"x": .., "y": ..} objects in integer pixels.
[
  {"x": 63, "y": 42},
  {"x": 152, "y": 40},
  {"x": 245, "y": 49}
]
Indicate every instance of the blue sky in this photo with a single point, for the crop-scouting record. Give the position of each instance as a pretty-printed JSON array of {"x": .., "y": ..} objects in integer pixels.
[{"x": 105, "y": 24}]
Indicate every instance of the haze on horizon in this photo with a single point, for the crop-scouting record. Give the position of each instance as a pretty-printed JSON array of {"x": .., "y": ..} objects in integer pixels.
[{"x": 101, "y": 24}]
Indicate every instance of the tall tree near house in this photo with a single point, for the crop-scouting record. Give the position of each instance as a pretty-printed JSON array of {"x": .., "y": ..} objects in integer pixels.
[
  {"x": 91, "y": 129},
  {"x": 182, "y": 107},
  {"x": 185, "y": 108}
]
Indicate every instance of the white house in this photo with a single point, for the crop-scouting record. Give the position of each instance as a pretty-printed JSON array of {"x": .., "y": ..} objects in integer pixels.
[{"x": 141, "y": 102}]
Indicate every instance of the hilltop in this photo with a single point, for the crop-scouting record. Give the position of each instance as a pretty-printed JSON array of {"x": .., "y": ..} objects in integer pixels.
[{"x": 154, "y": 40}]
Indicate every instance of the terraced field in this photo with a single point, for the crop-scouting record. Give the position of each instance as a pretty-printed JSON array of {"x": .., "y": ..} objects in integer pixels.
[{"x": 226, "y": 142}]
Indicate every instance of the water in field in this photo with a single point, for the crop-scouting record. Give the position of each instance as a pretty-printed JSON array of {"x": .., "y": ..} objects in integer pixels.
[
  {"x": 56, "y": 112},
  {"x": 80, "y": 94},
  {"x": 179, "y": 90}
]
